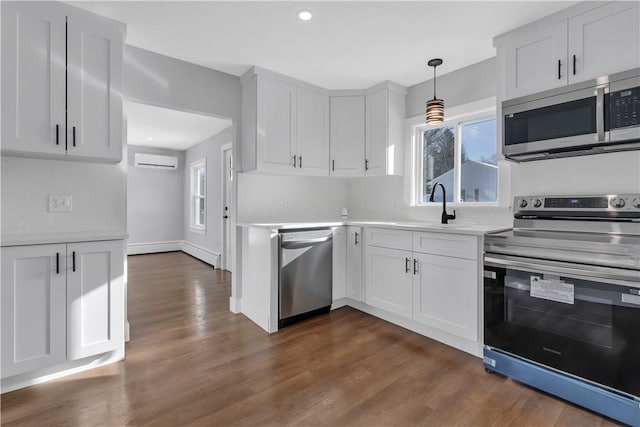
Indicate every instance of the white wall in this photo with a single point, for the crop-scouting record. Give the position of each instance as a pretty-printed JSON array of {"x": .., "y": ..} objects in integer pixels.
[
  {"x": 97, "y": 190},
  {"x": 155, "y": 210},
  {"x": 275, "y": 198},
  {"x": 387, "y": 197},
  {"x": 209, "y": 149}
]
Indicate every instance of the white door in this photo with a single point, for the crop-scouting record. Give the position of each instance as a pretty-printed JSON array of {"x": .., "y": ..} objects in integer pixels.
[
  {"x": 388, "y": 280},
  {"x": 347, "y": 136},
  {"x": 276, "y": 126},
  {"x": 339, "y": 263},
  {"x": 227, "y": 180},
  {"x": 33, "y": 307},
  {"x": 445, "y": 294},
  {"x": 95, "y": 298},
  {"x": 604, "y": 40},
  {"x": 94, "y": 89},
  {"x": 312, "y": 132},
  {"x": 33, "y": 78},
  {"x": 377, "y": 132},
  {"x": 354, "y": 263},
  {"x": 536, "y": 61}
]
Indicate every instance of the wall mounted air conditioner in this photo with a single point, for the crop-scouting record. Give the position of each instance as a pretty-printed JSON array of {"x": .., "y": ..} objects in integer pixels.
[{"x": 155, "y": 161}]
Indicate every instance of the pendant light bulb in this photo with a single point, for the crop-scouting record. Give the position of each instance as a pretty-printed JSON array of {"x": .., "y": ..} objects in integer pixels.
[{"x": 435, "y": 106}]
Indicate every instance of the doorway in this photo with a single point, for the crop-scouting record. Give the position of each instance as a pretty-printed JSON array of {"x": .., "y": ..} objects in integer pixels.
[{"x": 227, "y": 203}]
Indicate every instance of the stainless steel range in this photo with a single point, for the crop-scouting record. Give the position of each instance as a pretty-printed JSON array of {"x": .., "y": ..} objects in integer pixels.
[{"x": 562, "y": 300}]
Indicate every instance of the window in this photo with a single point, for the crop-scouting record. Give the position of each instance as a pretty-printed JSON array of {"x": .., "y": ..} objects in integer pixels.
[
  {"x": 198, "y": 196},
  {"x": 461, "y": 155}
]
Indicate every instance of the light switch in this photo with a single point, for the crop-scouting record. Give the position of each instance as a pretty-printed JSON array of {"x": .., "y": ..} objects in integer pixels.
[{"x": 59, "y": 203}]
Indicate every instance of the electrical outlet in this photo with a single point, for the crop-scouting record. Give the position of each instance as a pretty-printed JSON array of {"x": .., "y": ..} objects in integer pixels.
[{"x": 59, "y": 203}]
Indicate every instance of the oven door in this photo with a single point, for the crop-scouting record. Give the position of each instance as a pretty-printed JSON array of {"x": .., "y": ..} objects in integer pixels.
[{"x": 579, "y": 319}]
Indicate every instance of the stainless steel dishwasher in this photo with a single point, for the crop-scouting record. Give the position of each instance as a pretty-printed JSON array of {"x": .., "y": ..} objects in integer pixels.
[{"x": 305, "y": 274}]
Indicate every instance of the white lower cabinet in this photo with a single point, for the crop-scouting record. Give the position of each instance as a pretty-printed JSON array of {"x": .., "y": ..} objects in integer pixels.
[
  {"x": 60, "y": 302},
  {"x": 430, "y": 278},
  {"x": 388, "y": 280},
  {"x": 354, "y": 263},
  {"x": 33, "y": 307},
  {"x": 445, "y": 294}
]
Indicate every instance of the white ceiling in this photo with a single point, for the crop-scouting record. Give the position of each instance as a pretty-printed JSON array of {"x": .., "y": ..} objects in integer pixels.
[
  {"x": 347, "y": 45},
  {"x": 151, "y": 126}
]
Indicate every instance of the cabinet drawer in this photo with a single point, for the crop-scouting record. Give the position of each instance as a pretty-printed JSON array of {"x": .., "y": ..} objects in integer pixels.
[
  {"x": 387, "y": 238},
  {"x": 454, "y": 245}
]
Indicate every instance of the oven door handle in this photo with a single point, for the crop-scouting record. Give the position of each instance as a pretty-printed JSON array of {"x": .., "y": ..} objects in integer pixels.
[{"x": 614, "y": 276}]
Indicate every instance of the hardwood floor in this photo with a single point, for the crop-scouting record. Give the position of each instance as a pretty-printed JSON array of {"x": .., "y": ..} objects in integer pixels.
[{"x": 192, "y": 362}]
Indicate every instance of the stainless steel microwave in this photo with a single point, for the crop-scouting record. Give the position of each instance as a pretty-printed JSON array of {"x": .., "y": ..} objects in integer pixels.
[{"x": 597, "y": 116}]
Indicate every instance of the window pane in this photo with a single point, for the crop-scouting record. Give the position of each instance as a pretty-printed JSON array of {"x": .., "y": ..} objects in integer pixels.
[
  {"x": 479, "y": 167},
  {"x": 438, "y": 161},
  {"x": 201, "y": 181},
  {"x": 201, "y": 211}
]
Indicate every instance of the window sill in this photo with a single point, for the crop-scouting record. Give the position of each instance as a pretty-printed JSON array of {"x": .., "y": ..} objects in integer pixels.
[
  {"x": 198, "y": 230},
  {"x": 461, "y": 205}
]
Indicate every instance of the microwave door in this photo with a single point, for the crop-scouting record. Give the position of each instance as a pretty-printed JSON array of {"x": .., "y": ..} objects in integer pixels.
[{"x": 556, "y": 123}]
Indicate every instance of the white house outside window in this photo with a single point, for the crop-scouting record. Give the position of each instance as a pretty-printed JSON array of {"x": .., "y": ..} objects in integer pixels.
[
  {"x": 198, "y": 196},
  {"x": 460, "y": 154}
]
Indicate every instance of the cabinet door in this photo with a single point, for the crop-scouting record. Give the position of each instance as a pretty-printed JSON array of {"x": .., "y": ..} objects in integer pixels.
[
  {"x": 33, "y": 78},
  {"x": 33, "y": 307},
  {"x": 605, "y": 40},
  {"x": 312, "y": 132},
  {"x": 94, "y": 91},
  {"x": 388, "y": 280},
  {"x": 445, "y": 294},
  {"x": 339, "y": 262},
  {"x": 347, "y": 135},
  {"x": 354, "y": 263},
  {"x": 377, "y": 132},
  {"x": 536, "y": 61},
  {"x": 95, "y": 298},
  {"x": 276, "y": 126}
]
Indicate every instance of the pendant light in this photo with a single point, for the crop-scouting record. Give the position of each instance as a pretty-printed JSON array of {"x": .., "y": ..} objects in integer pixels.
[{"x": 435, "y": 106}]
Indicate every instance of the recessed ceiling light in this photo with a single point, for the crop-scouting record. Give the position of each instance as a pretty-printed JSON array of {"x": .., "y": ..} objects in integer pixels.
[
  {"x": 304, "y": 14},
  {"x": 149, "y": 139}
]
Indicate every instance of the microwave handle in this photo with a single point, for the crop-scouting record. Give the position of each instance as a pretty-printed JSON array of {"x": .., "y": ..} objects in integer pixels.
[{"x": 600, "y": 113}]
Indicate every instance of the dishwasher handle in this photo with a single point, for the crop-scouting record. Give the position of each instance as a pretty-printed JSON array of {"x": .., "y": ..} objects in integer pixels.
[{"x": 304, "y": 243}]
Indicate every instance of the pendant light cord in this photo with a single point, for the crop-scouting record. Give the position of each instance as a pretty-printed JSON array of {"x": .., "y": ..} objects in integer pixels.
[{"x": 434, "y": 82}]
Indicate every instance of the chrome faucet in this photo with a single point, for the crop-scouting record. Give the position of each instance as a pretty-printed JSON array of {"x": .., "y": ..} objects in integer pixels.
[{"x": 445, "y": 216}]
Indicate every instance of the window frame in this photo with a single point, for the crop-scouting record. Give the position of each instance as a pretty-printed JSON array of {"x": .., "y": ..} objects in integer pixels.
[
  {"x": 195, "y": 167},
  {"x": 477, "y": 111}
]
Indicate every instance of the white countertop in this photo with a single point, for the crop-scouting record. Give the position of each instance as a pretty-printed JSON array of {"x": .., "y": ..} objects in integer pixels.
[
  {"x": 43, "y": 239},
  {"x": 451, "y": 228}
]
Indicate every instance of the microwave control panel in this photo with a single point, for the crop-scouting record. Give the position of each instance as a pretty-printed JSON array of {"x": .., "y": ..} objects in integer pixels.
[{"x": 625, "y": 108}]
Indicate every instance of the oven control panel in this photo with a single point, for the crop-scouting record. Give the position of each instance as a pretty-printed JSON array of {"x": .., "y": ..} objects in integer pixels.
[{"x": 602, "y": 203}]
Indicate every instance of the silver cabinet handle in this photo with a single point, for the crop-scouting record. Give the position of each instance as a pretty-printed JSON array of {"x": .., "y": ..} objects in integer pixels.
[
  {"x": 356, "y": 238},
  {"x": 406, "y": 265},
  {"x": 415, "y": 266},
  {"x": 300, "y": 161},
  {"x": 294, "y": 160}
]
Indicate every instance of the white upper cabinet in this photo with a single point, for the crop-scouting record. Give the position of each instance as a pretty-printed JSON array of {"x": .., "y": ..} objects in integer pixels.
[
  {"x": 580, "y": 43},
  {"x": 384, "y": 135},
  {"x": 536, "y": 61},
  {"x": 605, "y": 40},
  {"x": 347, "y": 135},
  {"x": 276, "y": 121},
  {"x": 294, "y": 128},
  {"x": 56, "y": 57},
  {"x": 285, "y": 127},
  {"x": 33, "y": 78},
  {"x": 312, "y": 132},
  {"x": 94, "y": 95}
]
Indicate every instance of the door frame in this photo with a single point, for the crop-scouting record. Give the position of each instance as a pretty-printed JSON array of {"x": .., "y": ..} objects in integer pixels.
[{"x": 226, "y": 263}]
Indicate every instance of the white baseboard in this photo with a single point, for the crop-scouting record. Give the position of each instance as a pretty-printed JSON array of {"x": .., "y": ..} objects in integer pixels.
[
  {"x": 201, "y": 253},
  {"x": 196, "y": 251},
  {"x": 153, "y": 247}
]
